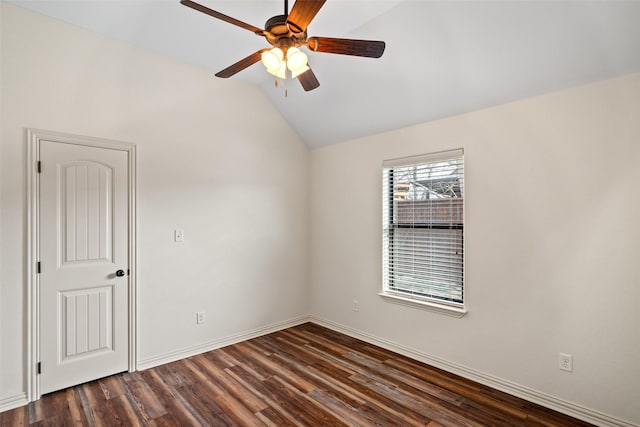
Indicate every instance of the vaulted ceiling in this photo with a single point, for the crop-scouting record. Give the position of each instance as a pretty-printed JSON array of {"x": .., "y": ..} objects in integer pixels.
[{"x": 442, "y": 57}]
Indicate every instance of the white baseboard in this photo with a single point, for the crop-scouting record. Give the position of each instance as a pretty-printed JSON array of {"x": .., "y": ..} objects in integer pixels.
[
  {"x": 218, "y": 343},
  {"x": 543, "y": 399},
  {"x": 13, "y": 402}
]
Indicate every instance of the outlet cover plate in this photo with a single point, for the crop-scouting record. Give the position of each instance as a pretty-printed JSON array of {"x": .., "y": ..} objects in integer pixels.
[{"x": 566, "y": 362}]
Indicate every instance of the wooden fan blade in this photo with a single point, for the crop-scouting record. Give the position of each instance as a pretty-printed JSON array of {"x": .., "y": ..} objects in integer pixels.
[
  {"x": 308, "y": 80},
  {"x": 367, "y": 48},
  {"x": 241, "y": 65},
  {"x": 215, "y": 14},
  {"x": 303, "y": 12}
]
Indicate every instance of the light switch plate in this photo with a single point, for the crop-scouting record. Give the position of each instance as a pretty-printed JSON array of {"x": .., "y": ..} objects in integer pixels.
[{"x": 200, "y": 317}]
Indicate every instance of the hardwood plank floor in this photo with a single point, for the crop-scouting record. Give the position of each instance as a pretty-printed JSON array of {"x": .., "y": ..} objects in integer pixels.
[{"x": 302, "y": 376}]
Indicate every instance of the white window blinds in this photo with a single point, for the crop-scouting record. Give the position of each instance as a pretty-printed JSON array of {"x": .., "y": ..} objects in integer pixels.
[{"x": 423, "y": 227}]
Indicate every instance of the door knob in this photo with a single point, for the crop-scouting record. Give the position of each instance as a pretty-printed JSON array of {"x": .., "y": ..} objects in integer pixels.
[{"x": 120, "y": 273}]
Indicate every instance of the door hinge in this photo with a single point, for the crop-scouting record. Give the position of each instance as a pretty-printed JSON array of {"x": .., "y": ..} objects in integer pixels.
[
  {"x": 39, "y": 166},
  {"x": 39, "y": 368},
  {"x": 38, "y": 267}
]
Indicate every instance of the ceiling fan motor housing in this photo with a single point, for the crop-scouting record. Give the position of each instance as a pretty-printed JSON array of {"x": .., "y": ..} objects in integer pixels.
[{"x": 280, "y": 33}]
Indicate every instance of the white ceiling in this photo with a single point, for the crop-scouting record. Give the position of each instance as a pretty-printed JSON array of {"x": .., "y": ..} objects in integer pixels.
[{"x": 442, "y": 57}]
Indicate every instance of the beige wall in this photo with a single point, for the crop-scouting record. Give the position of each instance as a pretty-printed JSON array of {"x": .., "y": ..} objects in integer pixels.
[
  {"x": 552, "y": 241},
  {"x": 214, "y": 158},
  {"x": 552, "y": 234}
]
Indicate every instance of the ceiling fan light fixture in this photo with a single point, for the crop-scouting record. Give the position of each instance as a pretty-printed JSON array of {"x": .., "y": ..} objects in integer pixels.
[
  {"x": 273, "y": 59},
  {"x": 295, "y": 73},
  {"x": 279, "y": 72},
  {"x": 296, "y": 59}
]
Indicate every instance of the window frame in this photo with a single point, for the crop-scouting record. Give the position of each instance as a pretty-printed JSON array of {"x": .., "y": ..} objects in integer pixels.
[{"x": 390, "y": 224}]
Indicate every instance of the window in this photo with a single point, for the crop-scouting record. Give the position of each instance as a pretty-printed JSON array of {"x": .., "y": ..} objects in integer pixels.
[{"x": 423, "y": 229}]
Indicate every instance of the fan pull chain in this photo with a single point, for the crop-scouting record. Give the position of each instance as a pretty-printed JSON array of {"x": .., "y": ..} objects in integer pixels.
[{"x": 286, "y": 86}]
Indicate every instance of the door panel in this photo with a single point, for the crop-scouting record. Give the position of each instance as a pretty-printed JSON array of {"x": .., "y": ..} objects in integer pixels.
[
  {"x": 83, "y": 242},
  {"x": 86, "y": 218},
  {"x": 86, "y": 319}
]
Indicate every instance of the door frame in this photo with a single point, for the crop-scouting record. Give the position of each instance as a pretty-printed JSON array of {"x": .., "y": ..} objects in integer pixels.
[{"x": 34, "y": 137}]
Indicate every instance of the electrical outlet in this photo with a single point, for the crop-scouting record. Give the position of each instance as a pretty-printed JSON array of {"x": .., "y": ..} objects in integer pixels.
[
  {"x": 200, "y": 318},
  {"x": 566, "y": 362},
  {"x": 356, "y": 305},
  {"x": 178, "y": 235}
]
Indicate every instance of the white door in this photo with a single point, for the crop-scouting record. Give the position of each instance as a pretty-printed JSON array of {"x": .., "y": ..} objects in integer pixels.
[{"x": 83, "y": 245}]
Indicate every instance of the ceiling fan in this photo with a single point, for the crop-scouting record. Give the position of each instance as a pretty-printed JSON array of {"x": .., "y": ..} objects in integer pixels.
[{"x": 287, "y": 33}]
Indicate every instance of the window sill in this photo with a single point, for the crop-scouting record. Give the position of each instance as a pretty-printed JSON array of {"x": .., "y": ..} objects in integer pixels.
[{"x": 424, "y": 305}]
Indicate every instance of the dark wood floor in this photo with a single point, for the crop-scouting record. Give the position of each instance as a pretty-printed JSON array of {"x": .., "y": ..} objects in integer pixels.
[{"x": 306, "y": 375}]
